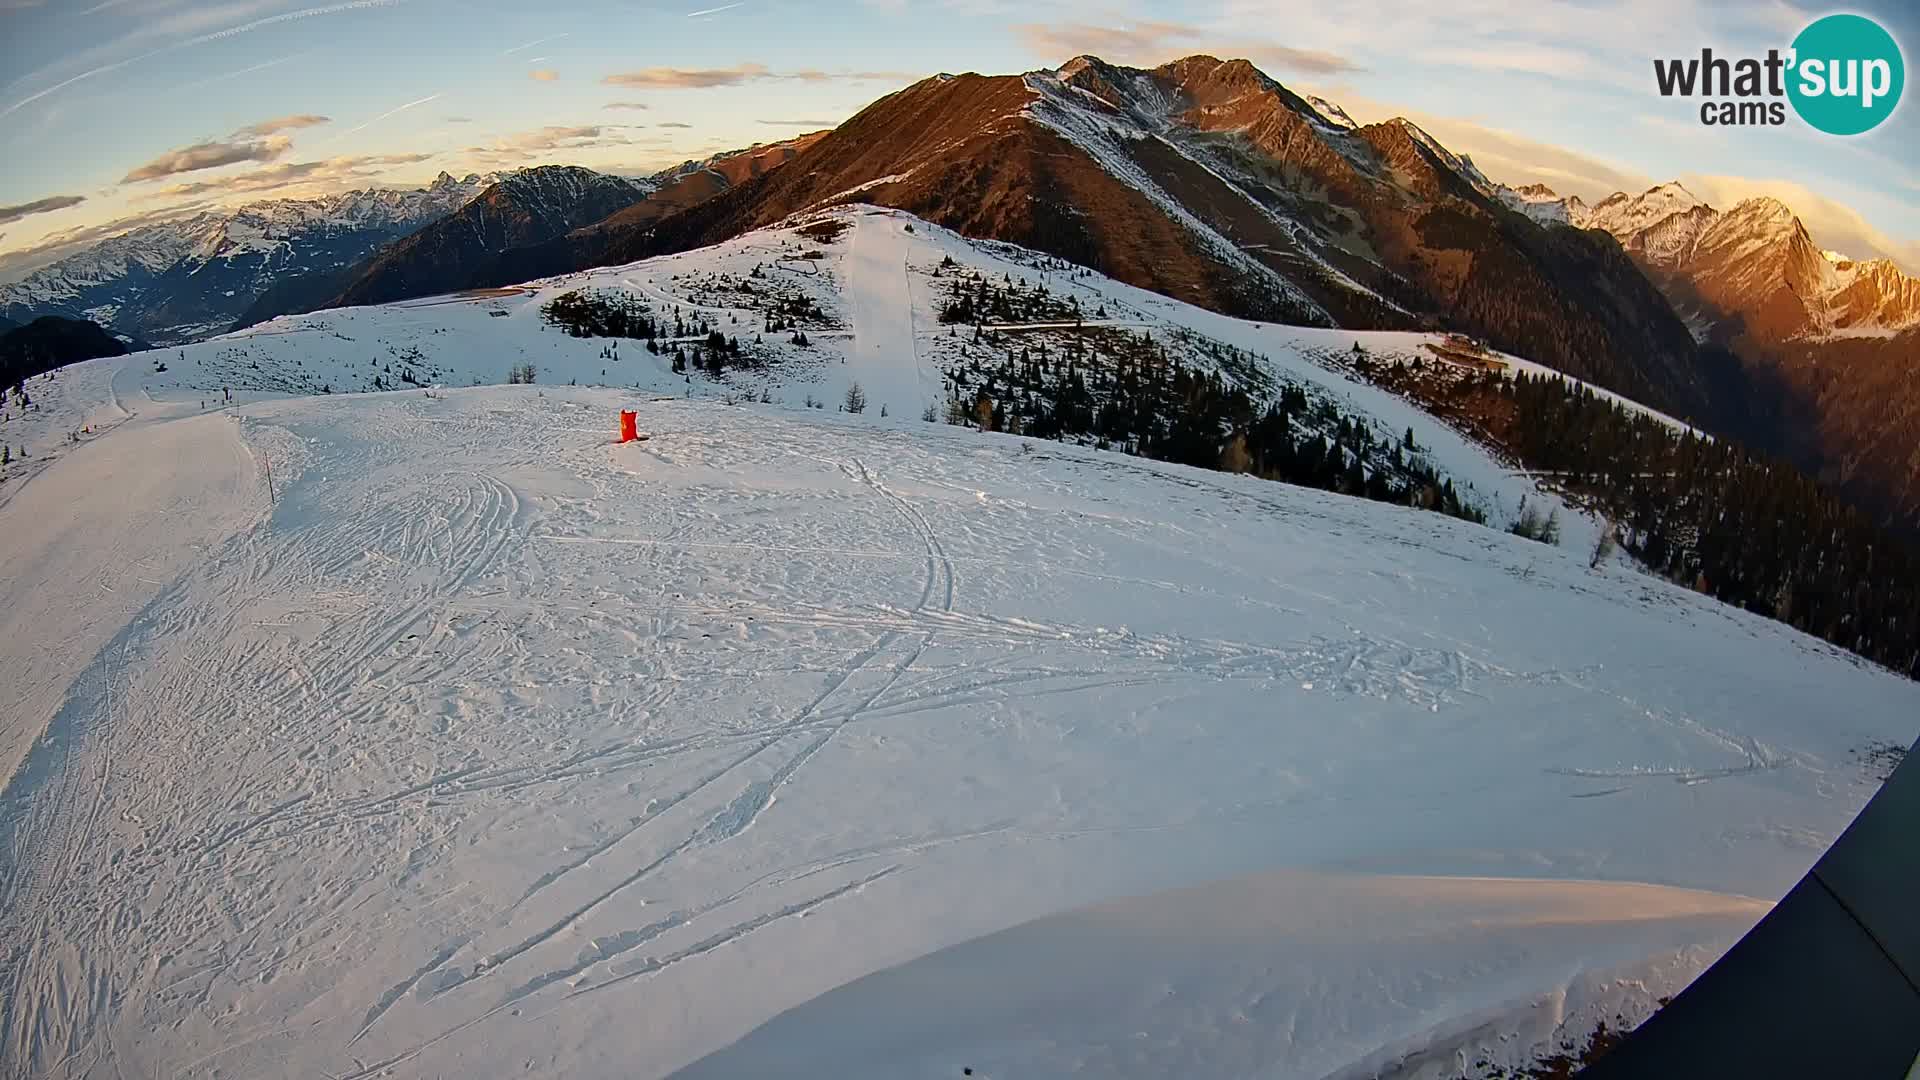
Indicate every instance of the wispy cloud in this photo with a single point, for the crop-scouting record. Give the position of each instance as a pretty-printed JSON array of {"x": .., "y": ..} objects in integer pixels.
[
  {"x": 390, "y": 113},
  {"x": 248, "y": 70},
  {"x": 10, "y": 214},
  {"x": 626, "y": 105},
  {"x": 202, "y": 39},
  {"x": 209, "y": 155},
  {"x": 671, "y": 78},
  {"x": 456, "y": 119},
  {"x": 704, "y": 12},
  {"x": 534, "y": 44},
  {"x": 541, "y": 142},
  {"x": 674, "y": 124},
  {"x": 1150, "y": 42},
  {"x": 812, "y": 75},
  {"x": 543, "y": 75},
  {"x": 333, "y": 172},
  {"x": 285, "y": 123},
  {"x": 814, "y": 124}
]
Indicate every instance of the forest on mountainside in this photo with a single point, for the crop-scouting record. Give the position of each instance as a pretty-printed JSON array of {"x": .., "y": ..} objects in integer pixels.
[{"x": 1733, "y": 523}]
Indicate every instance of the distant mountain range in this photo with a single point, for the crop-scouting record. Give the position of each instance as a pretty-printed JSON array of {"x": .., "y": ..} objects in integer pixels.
[
  {"x": 193, "y": 277},
  {"x": 1202, "y": 179},
  {"x": 521, "y": 207},
  {"x": 212, "y": 272},
  {"x": 1749, "y": 271},
  {"x": 536, "y": 205}
]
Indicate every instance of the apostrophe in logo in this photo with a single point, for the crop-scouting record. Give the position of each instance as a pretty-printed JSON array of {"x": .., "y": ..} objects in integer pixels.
[
  {"x": 1843, "y": 75},
  {"x": 1847, "y": 74}
]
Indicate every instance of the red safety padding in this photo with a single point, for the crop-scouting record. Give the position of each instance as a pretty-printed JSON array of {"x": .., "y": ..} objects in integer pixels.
[{"x": 629, "y": 426}]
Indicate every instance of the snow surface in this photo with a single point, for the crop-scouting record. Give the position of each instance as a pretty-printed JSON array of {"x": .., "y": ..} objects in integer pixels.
[
  {"x": 1218, "y": 980},
  {"x": 887, "y": 258},
  {"x": 410, "y": 735}
]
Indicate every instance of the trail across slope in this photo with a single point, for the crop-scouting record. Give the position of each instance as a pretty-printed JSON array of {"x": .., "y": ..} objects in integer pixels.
[
  {"x": 883, "y": 357},
  {"x": 500, "y": 749},
  {"x": 92, "y": 545}
]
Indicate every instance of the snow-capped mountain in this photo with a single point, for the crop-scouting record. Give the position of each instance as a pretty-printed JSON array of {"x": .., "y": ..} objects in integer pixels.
[
  {"x": 1209, "y": 181},
  {"x": 524, "y": 207},
  {"x": 1539, "y": 202},
  {"x": 185, "y": 279},
  {"x": 1750, "y": 270}
]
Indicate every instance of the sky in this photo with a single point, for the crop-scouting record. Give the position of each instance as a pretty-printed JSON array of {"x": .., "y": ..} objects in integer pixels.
[{"x": 115, "y": 113}]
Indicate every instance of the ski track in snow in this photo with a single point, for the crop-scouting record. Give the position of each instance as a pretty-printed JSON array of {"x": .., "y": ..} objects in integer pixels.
[{"x": 490, "y": 747}]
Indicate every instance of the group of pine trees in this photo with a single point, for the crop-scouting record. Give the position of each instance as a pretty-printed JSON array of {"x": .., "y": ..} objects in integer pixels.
[
  {"x": 696, "y": 345},
  {"x": 1708, "y": 513},
  {"x": 977, "y": 299},
  {"x": 1139, "y": 398}
]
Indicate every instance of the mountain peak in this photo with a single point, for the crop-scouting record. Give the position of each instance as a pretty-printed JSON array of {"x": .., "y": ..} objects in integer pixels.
[
  {"x": 1763, "y": 208},
  {"x": 1672, "y": 189},
  {"x": 1078, "y": 64}
]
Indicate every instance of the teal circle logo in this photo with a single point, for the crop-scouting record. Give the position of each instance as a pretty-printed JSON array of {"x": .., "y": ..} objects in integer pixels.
[{"x": 1847, "y": 74}]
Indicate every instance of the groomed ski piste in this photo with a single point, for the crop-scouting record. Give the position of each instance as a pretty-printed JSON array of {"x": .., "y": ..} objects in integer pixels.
[{"x": 433, "y": 733}]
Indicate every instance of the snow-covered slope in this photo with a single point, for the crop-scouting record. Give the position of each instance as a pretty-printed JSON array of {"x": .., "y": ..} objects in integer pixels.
[
  {"x": 876, "y": 293},
  {"x": 412, "y": 734}
]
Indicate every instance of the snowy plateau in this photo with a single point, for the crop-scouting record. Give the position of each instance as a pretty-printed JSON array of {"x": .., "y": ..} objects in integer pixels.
[{"x": 433, "y": 733}]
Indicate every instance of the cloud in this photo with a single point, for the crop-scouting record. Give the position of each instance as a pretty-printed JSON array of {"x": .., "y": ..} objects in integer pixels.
[
  {"x": 810, "y": 75},
  {"x": 395, "y": 111},
  {"x": 662, "y": 78},
  {"x": 209, "y": 155},
  {"x": 666, "y": 78},
  {"x": 456, "y": 119},
  {"x": 10, "y": 214},
  {"x": 248, "y": 70},
  {"x": 814, "y": 124},
  {"x": 1552, "y": 61},
  {"x": 534, "y": 44},
  {"x": 543, "y": 75},
  {"x": 626, "y": 105},
  {"x": 673, "y": 124},
  {"x": 202, "y": 39},
  {"x": 548, "y": 141},
  {"x": 284, "y": 123},
  {"x": 335, "y": 173},
  {"x": 704, "y": 12},
  {"x": 1150, "y": 42}
]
